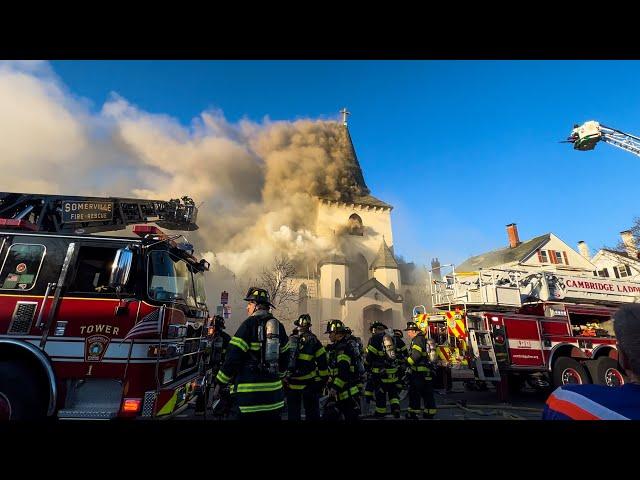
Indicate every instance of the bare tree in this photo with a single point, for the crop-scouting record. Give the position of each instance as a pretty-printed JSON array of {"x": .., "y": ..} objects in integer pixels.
[
  {"x": 277, "y": 280},
  {"x": 635, "y": 231}
]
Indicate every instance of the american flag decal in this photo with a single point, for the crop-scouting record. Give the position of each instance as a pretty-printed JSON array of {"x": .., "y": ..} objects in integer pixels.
[{"x": 151, "y": 323}]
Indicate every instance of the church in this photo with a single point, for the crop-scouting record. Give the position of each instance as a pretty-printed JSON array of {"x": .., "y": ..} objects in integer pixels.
[{"x": 363, "y": 282}]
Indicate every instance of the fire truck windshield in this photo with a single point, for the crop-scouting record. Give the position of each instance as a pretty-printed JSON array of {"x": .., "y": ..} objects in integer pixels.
[
  {"x": 170, "y": 279},
  {"x": 201, "y": 296}
]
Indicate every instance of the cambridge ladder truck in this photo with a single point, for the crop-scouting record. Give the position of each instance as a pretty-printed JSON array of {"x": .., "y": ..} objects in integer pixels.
[
  {"x": 547, "y": 328},
  {"x": 99, "y": 326}
]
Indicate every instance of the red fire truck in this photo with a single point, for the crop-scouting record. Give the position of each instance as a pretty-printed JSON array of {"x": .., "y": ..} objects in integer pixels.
[
  {"x": 543, "y": 327},
  {"x": 96, "y": 326}
]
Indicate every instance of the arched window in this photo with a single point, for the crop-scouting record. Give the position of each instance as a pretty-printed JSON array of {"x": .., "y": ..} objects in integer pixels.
[
  {"x": 303, "y": 295},
  {"x": 358, "y": 271},
  {"x": 355, "y": 225},
  {"x": 337, "y": 291},
  {"x": 392, "y": 287}
]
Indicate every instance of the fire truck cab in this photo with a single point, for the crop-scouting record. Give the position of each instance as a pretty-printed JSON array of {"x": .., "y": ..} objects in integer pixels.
[{"x": 98, "y": 326}]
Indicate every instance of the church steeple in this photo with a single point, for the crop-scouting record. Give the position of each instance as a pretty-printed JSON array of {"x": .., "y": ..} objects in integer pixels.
[
  {"x": 351, "y": 158},
  {"x": 385, "y": 258}
]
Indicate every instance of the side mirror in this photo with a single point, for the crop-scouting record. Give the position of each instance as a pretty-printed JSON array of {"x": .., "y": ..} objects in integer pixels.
[{"x": 121, "y": 268}]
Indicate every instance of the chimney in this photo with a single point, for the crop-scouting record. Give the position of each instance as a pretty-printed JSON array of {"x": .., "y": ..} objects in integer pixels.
[
  {"x": 629, "y": 243},
  {"x": 435, "y": 269},
  {"x": 584, "y": 249},
  {"x": 512, "y": 231}
]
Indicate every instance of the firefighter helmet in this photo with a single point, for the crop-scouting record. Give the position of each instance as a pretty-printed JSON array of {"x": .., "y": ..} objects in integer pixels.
[
  {"x": 411, "y": 326},
  {"x": 303, "y": 320},
  {"x": 218, "y": 322},
  {"x": 397, "y": 332},
  {"x": 375, "y": 325},
  {"x": 259, "y": 296},
  {"x": 335, "y": 326}
]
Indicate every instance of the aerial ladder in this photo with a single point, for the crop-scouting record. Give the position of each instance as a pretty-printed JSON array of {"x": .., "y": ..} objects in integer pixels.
[
  {"x": 586, "y": 137},
  {"x": 75, "y": 214}
]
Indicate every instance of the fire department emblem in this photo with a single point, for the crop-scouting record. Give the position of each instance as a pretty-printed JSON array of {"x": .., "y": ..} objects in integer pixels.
[
  {"x": 21, "y": 267},
  {"x": 95, "y": 347}
]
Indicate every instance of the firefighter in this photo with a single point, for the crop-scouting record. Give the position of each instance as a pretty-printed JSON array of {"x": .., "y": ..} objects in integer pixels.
[
  {"x": 220, "y": 342},
  {"x": 358, "y": 348},
  {"x": 307, "y": 372},
  {"x": 383, "y": 370},
  {"x": 256, "y": 360},
  {"x": 420, "y": 376},
  {"x": 402, "y": 353},
  {"x": 344, "y": 394}
]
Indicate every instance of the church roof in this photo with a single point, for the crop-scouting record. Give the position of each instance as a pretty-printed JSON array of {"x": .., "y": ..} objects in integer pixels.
[
  {"x": 335, "y": 259},
  {"x": 369, "y": 285},
  {"x": 353, "y": 188},
  {"x": 385, "y": 258}
]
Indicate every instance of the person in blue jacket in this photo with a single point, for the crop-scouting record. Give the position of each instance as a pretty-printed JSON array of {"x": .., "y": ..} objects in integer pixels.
[{"x": 600, "y": 402}]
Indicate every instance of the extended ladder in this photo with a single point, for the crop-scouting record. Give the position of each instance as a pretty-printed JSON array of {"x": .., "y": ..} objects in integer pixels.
[{"x": 74, "y": 214}]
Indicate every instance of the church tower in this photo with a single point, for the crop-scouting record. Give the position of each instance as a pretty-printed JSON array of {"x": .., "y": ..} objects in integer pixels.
[{"x": 385, "y": 268}]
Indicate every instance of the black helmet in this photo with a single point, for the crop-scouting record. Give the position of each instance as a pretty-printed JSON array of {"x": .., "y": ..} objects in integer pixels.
[
  {"x": 335, "y": 326},
  {"x": 303, "y": 320},
  {"x": 259, "y": 296},
  {"x": 411, "y": 326},
  {"x": 397, "y": 332},
  {"x": 376, "y": 325},
  {"x": 218, "y": 322}
]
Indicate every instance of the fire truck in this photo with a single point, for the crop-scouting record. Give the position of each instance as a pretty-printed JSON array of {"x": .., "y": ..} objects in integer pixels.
[
  {"x": 515, "y": 326},
  {"x": 94, "y": 325}
]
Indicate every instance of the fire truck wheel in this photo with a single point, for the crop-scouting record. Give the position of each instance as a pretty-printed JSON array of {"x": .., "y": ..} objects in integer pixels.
[
  {"x": 567, "y": 371},
  {"x": 19, "y": 393},
  {"x": 608, "y": 373}
]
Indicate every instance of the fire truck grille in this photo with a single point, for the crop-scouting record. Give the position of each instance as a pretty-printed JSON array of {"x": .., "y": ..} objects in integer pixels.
[
  {"x": 22, "y": 317},
  {"x": 147, "y": 405}
]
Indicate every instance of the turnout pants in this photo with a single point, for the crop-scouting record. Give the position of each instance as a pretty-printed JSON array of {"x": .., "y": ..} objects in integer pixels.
[
  {"x": 350, "y": 408},
  {"x": 273, "y": 415},
  {"x": 309, "y": 397},
  {"x": 421, "y": 389},
  {"x": 382, "y": 390}
]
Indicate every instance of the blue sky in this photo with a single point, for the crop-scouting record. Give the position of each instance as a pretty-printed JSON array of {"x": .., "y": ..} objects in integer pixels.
[{"x": 460, "y": 148}]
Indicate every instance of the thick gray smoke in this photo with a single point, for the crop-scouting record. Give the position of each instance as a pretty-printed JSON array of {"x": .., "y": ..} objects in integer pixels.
[{"x": 255, "y": 181}]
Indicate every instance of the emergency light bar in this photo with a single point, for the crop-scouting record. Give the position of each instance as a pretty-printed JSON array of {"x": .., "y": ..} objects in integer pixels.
[
  {"x": 14, "y": 224},
  {"x": 143, "y": 230}
]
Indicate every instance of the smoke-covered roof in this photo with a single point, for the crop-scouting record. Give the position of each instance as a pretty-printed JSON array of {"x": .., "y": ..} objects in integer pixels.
[
  {"x": 354, "y": 189},
  {"x": 385, "y": 258},
  {"x": 334, "y": 259}
]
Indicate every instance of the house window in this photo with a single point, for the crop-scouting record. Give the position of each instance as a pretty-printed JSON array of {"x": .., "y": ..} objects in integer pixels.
[
  {"x": 337, "y": 289},
  {"x": 604, "y": 273},
  {"x": 543, "y": 256},
  {"x": 558, "y": 257},
  {"x": 622, "y": 271}
]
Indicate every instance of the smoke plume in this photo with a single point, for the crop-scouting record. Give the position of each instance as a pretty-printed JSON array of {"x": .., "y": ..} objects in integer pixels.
[{"x": 255, "y": 182}]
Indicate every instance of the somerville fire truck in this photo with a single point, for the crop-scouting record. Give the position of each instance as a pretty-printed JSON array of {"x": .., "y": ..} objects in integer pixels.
[
  {"x": 511, "y": 326},
  {"x": 99, "y": 326}
]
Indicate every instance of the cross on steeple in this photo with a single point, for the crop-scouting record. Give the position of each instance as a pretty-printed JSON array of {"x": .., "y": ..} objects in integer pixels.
[{"x": 344, "y": 113}]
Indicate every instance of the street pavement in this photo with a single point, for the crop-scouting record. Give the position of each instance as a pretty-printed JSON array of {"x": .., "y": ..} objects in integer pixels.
[{"x": 458, "y": 404}]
